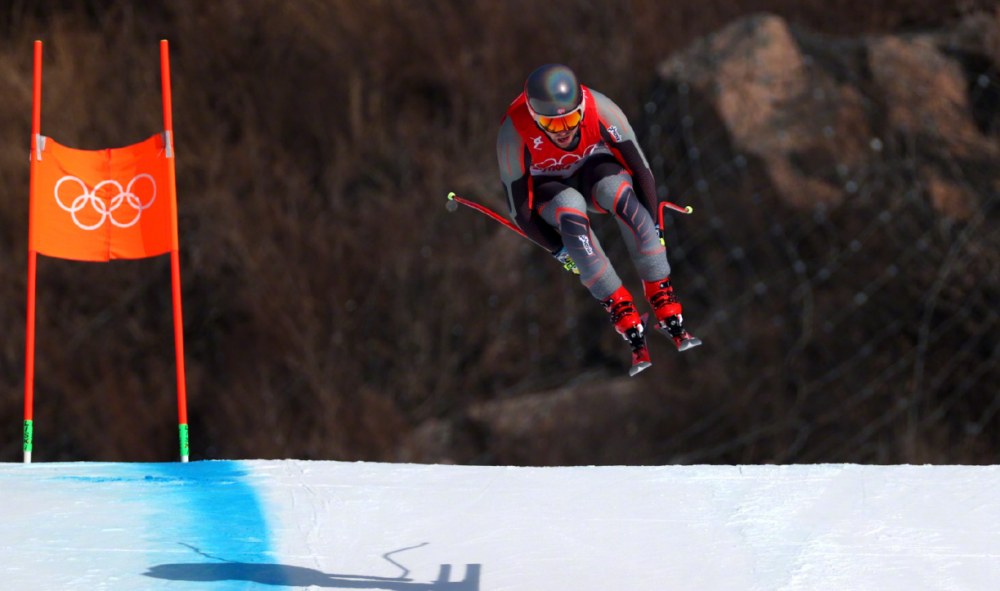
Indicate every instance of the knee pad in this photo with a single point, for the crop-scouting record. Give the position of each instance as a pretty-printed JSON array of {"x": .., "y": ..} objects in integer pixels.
[
  {"x": 578, "y": 239},
  {"x": 575, "y": 230},
  {"x": 634, "y": 215}
]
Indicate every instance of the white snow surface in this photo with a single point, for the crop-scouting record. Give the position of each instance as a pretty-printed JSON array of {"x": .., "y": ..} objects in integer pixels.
[{"x": 339, "y": 525}]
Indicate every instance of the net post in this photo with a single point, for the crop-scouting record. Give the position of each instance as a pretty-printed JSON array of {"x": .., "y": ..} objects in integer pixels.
[
  {"x": 29, "y": 357},
  {"x": 175, "y": 266}
]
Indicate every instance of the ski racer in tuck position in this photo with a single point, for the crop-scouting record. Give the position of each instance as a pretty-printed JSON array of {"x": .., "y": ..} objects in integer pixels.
[{"x": 565, "y": 150}]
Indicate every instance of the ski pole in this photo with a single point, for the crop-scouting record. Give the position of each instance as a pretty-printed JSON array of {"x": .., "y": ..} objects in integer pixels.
[
  {"x": 563, "y": 258},
  {"x": 487, "y": 211},
  {"x": 666, "y": 204}
]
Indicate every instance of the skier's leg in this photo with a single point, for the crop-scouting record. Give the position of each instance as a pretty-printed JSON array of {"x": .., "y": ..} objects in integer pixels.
[
  {"x": 611, "y": 190},
  {"x": 610, "y": 187},
  {"x": 565, "y": 209}
]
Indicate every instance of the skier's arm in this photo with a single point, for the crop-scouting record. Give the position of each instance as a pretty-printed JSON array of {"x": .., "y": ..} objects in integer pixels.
[
  {"x": 618, "y": 134},
  {"x": 515, "y": 165}
]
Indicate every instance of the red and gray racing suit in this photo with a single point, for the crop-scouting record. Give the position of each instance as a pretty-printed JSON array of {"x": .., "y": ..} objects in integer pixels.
[{"x": 550, "y": 190}]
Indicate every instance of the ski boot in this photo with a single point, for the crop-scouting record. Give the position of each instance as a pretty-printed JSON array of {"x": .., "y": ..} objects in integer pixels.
[
  {"x": 632, "y": 328},
  {"x": 660, "y": 295}
]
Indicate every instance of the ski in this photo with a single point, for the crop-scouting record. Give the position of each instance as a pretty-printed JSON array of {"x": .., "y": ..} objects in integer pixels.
[
  {"x": 673, "y": 329},
  {"x": 636, "y": 338}
]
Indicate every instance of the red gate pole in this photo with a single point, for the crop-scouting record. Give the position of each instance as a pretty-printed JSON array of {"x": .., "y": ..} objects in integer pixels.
[
  {"x": 29, "y": 363},
  {"x": 175, "y": 263}
]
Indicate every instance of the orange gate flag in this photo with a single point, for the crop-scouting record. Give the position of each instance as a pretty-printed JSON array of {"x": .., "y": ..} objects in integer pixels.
[{"x": 98, "y": 205}]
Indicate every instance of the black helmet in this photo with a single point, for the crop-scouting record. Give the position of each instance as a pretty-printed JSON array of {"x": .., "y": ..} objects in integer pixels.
[{"x": 553, "y": 90}]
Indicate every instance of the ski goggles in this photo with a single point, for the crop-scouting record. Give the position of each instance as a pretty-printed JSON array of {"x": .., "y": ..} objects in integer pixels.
[{"x": 567, "y": 122}]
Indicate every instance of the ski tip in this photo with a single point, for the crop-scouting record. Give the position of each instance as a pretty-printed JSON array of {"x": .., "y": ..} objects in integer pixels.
[
  {"x": 639, "y": 367},
  {"x": 451, "y": 196},
  {"x": 689, "y": 344}
]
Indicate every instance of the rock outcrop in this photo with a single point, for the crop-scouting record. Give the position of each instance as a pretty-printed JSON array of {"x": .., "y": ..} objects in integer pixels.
[{"x": 819, "y": 113}]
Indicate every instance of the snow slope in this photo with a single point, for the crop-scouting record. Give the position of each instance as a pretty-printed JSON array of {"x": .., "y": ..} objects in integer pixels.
[{"x": 333, "y": 525}]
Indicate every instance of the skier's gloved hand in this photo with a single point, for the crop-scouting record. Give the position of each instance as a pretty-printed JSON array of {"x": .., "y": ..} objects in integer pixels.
[
  {"x": 563, "y": 257},
  {"x": 659, "y": 234}
]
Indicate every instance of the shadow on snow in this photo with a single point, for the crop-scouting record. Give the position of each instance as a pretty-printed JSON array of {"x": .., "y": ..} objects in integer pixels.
[{"x": 297, "y": 576}]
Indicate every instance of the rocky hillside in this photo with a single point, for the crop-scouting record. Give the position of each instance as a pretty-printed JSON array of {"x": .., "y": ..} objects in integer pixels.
[{"x": 843, "y": 263}]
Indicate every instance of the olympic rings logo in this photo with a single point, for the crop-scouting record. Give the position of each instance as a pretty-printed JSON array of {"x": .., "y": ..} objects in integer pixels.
[{"x": 106, "y": 211}]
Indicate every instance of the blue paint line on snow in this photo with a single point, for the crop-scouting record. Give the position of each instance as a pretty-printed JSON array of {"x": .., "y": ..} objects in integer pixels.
[
  {"x": 204, "y": 521},
  {"x": 203, "y": 514}
]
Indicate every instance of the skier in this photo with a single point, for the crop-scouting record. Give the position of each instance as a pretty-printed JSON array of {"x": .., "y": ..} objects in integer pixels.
[{"x": 565, "y": 149}]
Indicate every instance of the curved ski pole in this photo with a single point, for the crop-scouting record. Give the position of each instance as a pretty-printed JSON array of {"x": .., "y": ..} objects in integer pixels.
[
  {"x": 665, "y": 204},
  {"x": 566, "y": 263},
  {"x": 487, "y": 211}
]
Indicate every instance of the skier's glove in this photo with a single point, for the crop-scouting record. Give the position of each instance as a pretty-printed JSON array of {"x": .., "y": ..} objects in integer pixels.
[
  {"x": 563, "y": 257},
  {"x": 659, "y": 234}
]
